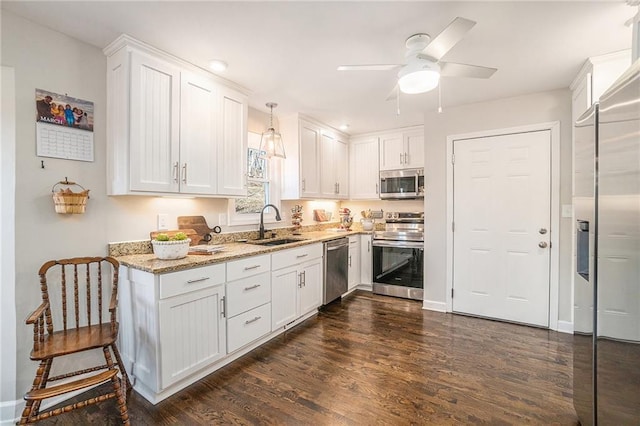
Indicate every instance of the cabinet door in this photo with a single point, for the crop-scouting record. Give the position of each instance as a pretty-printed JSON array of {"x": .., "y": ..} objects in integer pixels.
[
  {"x": 414, "y": 146},
  {"x": 392, "y": 152},
  {"x": 328, "y": 183},
  {"x": 364, "y": 172},
  {"x": 232, "y": 156},
  {"x": 198, "y": 134},
  {"x": 341, "y": 164},
  {"x": 309, "y": 164},
  {"x": 154, "y": 125},
  {"x": 310, "y": 290},
  {"x": 366, "y": 260},
  {"x": 354, "y": 262},
  {"x": 192, "y": 333},
  {"x": 284, "y": 290}
]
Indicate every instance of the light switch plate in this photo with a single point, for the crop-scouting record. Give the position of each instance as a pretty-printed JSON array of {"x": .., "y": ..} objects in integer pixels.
[
  {"x": 567, "y": 210},
  {"x": 163, "y": 220},
  {"x": 222, "y": 219}
]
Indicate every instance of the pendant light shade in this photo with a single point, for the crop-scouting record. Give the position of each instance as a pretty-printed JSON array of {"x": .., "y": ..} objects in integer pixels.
[{"x": 271, "y": 143}]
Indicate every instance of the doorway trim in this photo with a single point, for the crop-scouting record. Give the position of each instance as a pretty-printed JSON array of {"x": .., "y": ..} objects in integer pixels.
[{"x": 554, "y": 266}]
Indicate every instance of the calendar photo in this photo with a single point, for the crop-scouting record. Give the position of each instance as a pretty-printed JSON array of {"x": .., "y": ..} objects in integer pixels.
[{"x": 64, "y": 110}]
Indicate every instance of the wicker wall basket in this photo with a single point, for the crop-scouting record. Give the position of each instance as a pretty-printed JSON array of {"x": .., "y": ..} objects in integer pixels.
[{"x": 68, "y": 202}]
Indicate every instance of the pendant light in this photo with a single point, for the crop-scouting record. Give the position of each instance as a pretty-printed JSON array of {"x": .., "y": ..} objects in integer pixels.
[{"x": 271, "y": 142}]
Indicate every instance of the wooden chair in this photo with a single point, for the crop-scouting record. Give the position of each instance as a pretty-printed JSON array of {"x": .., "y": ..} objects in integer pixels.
[{"x": 81, "y": 329}]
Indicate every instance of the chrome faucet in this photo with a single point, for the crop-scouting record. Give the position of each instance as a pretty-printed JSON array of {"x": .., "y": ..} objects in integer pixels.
[{"x": 261, "y": 230}]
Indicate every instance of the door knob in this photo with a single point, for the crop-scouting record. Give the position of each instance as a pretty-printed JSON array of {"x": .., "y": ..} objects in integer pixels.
[
  {"x": 542, "y": 231},
  {"x": 542, "y": 244}
]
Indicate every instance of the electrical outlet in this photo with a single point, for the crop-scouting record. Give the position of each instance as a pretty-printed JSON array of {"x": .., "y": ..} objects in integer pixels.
[{"x": 163, "y": 220}]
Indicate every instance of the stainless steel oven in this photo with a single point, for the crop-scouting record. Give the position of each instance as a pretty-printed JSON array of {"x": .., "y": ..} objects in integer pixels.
[
  {"x": 398, "y": 256},
  {"x": 402, "y": 184}
]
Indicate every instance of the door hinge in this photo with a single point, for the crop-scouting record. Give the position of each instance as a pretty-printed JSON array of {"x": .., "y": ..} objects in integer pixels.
[
  {"x": 453, "y": 159},
  {"x": 453, "y": 227},
  {"x": 452, "y": 293}
]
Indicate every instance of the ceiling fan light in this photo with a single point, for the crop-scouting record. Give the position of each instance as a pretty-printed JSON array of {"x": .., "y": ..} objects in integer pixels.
[{"x": 419, "y": 81}]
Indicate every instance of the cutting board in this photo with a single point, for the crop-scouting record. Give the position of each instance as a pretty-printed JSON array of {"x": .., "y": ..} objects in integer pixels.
[
  {"x": 191, "y": 233},
  {"x": 199, "y": 224}
]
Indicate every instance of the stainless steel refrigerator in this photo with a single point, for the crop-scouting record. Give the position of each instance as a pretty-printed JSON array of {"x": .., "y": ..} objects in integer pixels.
[{"x": 606, "y": 358}]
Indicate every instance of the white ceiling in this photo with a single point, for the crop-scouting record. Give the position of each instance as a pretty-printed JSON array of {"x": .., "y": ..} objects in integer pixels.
[{"x": 287, "y": 52}]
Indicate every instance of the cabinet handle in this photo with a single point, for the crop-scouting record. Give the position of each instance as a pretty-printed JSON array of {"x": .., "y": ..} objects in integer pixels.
[
  {"x": 400, "y": 158},
  {"x": 377, "y": 190},
  {"x": 175, "y": 172},
  {"x": 252, "y": 287},
  {"x": 302, "y": 255},
  {"x": 198, "y": 280},
  {"x": 252, "y": 320},
  {"x": 248, "y": 268},
  {"x": 223, "y": 310},
  {"x": 338, "y": 188},
  {"x": 304, "y": 278},
  {"x": 184, "y": 173},
  {"x": 349, "y": 261},
  {"x": 405, "y": 158},
  {"x": 300, "y": 280},
  {"x": 304, "y": 184},
  {"x": 368, "y": 246}
]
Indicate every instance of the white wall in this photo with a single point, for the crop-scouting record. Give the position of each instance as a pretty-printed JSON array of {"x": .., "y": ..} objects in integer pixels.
[{"x": 503, "y": 113}]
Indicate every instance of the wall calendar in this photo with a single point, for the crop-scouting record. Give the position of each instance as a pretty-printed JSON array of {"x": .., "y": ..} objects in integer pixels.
[{"x": 64, "y": 127}]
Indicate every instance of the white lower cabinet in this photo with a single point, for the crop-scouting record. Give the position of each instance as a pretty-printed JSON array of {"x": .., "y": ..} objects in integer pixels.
[
  {"x": 248, "y": 326},
  {"x": 295, "y": 290},
  {"x": 366, "y": 260},
  {"x": 354, "y": 262},
  {"x": 192, "y": 333}
]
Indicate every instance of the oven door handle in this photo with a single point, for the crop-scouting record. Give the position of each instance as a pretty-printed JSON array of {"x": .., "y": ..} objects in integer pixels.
[{"x": 400, "y": 244}]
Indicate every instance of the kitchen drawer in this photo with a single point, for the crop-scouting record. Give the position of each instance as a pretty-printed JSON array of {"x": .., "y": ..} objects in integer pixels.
[
  {"x": 176, "y": 283},
  {"x": 248, "y": 293},
  {"x": 247, "y": 327},
  {"x": 294, "y": 256},
  {"x": 247, "y": 267}
]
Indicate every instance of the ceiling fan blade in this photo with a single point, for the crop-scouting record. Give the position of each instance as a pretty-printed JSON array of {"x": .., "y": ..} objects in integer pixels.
[
  {"x": 372, "y": 67},
  {"x": 451, "y": 69},
  {"x": 448, "y": 38}
]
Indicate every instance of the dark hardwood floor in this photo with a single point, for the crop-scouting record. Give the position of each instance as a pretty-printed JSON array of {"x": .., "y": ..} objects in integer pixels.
[{"x": 377, "y": 360}]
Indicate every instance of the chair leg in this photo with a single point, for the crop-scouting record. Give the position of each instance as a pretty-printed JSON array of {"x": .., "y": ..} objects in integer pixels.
[
  {"x": 120, "y": 401},
  {"x": 40, "y": 381},
  {"x": 126, "y": 384}
]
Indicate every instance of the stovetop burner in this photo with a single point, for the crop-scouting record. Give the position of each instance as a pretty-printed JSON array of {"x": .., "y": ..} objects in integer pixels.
[{"x": 402, "y": 226}]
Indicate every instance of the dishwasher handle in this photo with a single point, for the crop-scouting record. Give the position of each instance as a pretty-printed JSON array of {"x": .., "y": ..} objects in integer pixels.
[{"x": 336, "y": 244}]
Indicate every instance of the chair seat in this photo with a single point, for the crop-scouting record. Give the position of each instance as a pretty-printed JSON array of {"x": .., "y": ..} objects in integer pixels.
[
  {"x": 75, "y": 340},
  {"x": 40, "y": 394}
]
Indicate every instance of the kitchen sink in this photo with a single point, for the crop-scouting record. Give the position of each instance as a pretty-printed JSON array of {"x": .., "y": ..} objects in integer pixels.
[{"x": 276, "y": 242}]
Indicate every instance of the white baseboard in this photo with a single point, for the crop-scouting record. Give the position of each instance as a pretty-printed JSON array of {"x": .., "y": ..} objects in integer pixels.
[
  {"x": 565, "y": 327},
  {"x": 10, "y": 411},
  {"x": 431, "y": 305}
]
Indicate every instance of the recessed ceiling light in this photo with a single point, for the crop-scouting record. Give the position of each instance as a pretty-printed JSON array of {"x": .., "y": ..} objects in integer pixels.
[
  {"x": 344, "y": 127},
  {"x": 218, "y": 65}
]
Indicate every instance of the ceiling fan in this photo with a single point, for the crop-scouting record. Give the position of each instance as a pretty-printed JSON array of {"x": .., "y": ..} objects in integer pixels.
[{"x": 423, "y": 66}]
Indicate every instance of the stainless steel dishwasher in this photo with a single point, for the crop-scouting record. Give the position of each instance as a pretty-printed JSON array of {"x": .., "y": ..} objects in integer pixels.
[{"x": 336, "y": 269}]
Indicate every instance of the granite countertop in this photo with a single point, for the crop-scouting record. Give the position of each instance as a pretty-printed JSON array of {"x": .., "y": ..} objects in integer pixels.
[{"x": 232, "y": 251}]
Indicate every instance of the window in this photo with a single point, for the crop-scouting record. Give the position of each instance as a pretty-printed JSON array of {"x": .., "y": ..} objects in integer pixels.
[{"x": 262, "y": 188}]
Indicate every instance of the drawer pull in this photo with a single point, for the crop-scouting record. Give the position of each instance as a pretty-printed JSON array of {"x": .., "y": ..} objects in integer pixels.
[
  {"x": 248, "y": 268},
  {"x": 252, "y": 320},
  {"x": 252, "y": 287},
  {"x": 198, "y": 280},
  {"x": 302, "y": 255}
]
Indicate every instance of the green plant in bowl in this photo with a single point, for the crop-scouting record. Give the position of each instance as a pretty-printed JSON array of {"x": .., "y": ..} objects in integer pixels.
[
  {"x": 162, "y": 237},
  {"x": 179, "y": 236}
]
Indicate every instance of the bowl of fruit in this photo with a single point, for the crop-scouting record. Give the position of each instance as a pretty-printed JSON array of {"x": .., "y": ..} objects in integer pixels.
[{"x": 169, "y": 248}]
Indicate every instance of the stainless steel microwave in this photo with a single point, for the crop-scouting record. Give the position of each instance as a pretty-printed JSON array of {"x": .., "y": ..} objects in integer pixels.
[{"x": 401, "y": 184}]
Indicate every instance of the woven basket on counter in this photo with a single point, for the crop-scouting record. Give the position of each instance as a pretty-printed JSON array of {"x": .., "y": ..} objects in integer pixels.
[{"x": 68, "y": 202}]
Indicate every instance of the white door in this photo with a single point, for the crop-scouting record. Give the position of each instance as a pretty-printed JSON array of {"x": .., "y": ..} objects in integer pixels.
[{"x": 502, "y": 217}]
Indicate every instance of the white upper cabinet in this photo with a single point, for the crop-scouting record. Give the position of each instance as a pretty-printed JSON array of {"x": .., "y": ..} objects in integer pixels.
[
  {"x": 232, "y": 164},
  {"x": 317, "y": 160},
  {"x": 334, "y": 167},
  {"x": 364, "y": 174},
  {"x": 171, "y": 127},
  {"x": 596, "y": 76},
  {"x": 403, "y": 149}
]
